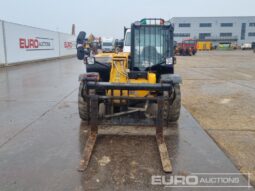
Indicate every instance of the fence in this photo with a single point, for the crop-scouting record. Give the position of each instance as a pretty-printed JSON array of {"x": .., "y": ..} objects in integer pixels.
[
  {"x": 2, "y": 51},
  {"x": 19, "y": 43}
]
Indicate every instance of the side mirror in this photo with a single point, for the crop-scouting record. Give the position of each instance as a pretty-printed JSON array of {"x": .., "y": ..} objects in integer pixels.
[
  {"x": 80, "y": 53},
  {"x": 81, "y": 38},
  {"x": 79, "y": 45}
]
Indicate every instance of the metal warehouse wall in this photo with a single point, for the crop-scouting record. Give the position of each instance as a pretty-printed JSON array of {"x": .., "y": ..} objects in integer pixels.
[
  {"x": 216, "y": 27},
  {"x": 26, "y": 43}
]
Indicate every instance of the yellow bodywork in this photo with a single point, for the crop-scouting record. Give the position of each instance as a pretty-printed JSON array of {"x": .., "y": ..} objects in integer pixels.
[{"x": 119, "y": 74}]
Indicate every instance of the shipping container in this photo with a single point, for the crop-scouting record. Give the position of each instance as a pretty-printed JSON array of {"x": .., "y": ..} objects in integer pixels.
[{"x": 204, "y": 45}]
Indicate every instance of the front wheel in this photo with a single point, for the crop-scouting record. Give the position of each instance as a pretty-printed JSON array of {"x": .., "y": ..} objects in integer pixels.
[
  {"x": 82, "y": 105},
  {"x": 172, "y": 110}
]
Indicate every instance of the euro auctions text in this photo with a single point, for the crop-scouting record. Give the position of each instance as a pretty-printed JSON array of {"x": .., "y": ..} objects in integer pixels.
[{"x": 201, "y": 180}]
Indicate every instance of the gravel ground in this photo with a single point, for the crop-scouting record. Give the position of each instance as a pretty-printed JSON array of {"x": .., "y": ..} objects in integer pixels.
[{"x": 219, "y": 91}]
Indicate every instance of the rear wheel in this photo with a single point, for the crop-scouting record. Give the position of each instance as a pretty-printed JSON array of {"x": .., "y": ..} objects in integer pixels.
[
  {"x": 172, "y": 110},
  {"x": 82, "y": 105}
]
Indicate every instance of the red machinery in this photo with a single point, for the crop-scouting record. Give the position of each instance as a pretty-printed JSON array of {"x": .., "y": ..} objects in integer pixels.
[{"x": 187, "y": 47}]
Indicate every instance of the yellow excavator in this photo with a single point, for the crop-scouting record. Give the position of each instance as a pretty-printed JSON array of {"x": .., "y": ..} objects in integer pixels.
[{"x": 136, "y": 88}]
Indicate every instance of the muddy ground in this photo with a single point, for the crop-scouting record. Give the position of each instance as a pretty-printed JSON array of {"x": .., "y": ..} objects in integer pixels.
[
  {"x": 42, "y": 137},
  {"x": 219, "y": 90}
]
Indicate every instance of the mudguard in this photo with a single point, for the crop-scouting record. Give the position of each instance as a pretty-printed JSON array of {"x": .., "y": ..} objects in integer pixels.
[
  {"x": 171, "y": 78},
  {"x": 90, "y": 76}
]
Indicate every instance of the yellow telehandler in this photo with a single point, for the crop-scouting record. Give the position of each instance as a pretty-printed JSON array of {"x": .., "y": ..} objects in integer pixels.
[{"x": 133, "y": 88}]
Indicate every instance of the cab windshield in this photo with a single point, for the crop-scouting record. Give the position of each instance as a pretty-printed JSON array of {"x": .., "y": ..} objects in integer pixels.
[{"x": 151, "y": 46}]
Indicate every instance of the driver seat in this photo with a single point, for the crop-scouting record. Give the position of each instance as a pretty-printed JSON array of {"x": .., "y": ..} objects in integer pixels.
[{"x": 150, "y": 53}]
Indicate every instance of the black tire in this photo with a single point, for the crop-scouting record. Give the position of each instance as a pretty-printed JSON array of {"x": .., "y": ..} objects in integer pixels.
[
  {"x": 81, "y": 37},
  {"x": 83, "y": 105},
  {"x": 172, "y": 111}
]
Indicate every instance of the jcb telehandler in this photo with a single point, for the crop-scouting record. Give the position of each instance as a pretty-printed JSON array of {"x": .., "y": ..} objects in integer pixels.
[{"x": 130, "y": 88}]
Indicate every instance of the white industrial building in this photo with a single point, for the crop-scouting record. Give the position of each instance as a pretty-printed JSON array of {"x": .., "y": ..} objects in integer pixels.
[{"x": 216, "y": 29}]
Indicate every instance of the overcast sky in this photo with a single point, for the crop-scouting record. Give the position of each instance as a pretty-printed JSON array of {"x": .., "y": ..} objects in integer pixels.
[{"x": 108, "y": 17}]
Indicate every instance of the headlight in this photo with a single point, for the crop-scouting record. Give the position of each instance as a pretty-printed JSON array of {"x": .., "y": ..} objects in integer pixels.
[
  {"x": 89, "y": 60},
  {"x": 169, "y": 60}
]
